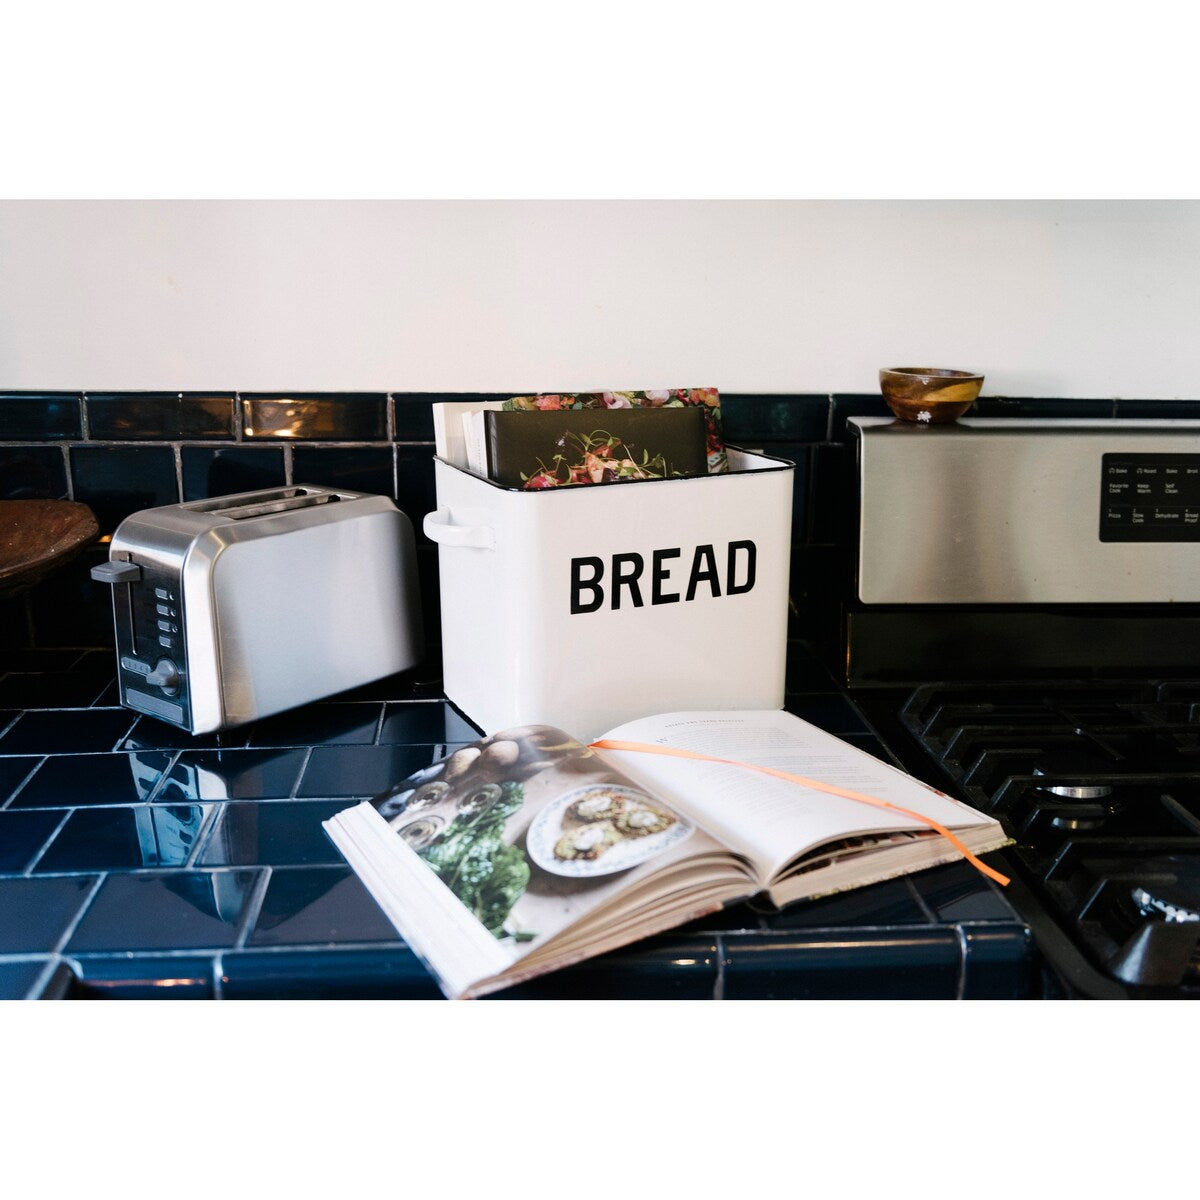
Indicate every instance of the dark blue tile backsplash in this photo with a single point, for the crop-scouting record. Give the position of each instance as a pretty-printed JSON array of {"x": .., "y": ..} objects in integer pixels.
[
  {"x": 122, "y": 451},
  {"x": 158, "y": 416}
]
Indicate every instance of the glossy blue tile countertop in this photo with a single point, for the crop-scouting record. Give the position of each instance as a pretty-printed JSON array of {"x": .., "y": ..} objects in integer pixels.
[{"x": 138, "y": 861}]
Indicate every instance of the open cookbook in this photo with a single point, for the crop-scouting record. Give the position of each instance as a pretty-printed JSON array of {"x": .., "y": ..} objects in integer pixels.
[{"x": 527, "y": 851}]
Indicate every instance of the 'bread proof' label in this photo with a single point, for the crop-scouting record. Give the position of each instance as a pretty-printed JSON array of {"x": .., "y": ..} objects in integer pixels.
[{"x": 665, "y": 578}]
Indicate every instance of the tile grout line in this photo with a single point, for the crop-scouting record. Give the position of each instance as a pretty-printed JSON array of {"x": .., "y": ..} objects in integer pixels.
[
  {"x": 253, "y": 908},
  {"x": 39, "y": 986},
  {"x": 207, "y": 832},
  {"x": 28, "y": 872},
  {"x": 8, "y": 806},
  {"x": 84, "y": 908},
  {"x": 292, "y": 795},
  {"x": 963, "y": 951}
]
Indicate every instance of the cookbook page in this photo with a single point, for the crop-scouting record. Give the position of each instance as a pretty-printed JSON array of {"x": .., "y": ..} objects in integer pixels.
[
  {"x": 773, "y": 820},
  {"x": 526, "y": 832}
]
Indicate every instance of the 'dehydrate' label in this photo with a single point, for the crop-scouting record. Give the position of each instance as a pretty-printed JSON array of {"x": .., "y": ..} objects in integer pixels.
[{"x": 664, "y": 577}]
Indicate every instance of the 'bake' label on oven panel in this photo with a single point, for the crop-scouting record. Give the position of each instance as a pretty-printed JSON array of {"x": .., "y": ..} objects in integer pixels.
[{"x": 1150, "y": 498}]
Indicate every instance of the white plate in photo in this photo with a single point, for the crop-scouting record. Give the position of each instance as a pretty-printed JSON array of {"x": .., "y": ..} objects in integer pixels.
[{"x": 621, "y": 854}]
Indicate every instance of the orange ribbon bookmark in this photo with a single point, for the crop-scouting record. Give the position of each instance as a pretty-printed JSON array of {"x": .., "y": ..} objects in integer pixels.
[{"x": 672, "y": 752}]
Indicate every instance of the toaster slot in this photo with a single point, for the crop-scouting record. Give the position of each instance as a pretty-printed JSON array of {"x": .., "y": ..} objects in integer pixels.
[
  {"x": 265, "y": 504},
  {"x": 227, "y": 502}
]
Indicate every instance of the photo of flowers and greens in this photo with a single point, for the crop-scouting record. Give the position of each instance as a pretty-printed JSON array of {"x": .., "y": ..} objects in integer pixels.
[
  {"x": 553, "y": 449},
  {"x": 529, "y": 828},
  {"x": 708, "y": 399},
  {"x": 595, "y": 457}
]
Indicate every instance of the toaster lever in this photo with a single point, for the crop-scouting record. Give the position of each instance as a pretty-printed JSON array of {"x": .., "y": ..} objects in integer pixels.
[
  {"x": 165, "y": 675},
  {"x": 117, "y": 572}
]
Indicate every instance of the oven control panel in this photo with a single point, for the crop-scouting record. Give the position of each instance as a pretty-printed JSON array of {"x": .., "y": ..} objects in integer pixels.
[{"x": 1150, "y": 498}]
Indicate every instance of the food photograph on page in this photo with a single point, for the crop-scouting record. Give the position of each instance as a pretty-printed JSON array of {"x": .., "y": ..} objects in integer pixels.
[
  {"x": 529, "y": 827},
  {"x": 548, "y": 449},
  {"x": 707, "y": 399}
]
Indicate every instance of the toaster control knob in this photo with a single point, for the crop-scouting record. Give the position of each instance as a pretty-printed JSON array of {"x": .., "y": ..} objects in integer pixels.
[
  {"x": 165, "y": 675},
  {"x": 117, "y": 572}
]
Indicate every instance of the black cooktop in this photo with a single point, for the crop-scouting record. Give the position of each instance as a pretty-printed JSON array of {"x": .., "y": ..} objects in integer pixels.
[{"x": 1099, "y": 786}]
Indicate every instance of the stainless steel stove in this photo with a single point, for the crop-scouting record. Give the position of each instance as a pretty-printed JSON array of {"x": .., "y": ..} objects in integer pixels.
[{"x": 1026, "y": 634}]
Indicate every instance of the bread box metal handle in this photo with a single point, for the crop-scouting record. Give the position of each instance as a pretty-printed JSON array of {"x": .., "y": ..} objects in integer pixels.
[{"x": 439, "y": 527}]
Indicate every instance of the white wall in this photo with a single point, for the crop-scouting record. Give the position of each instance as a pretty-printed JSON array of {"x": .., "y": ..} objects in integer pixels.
[{"x": 1062, "y": 298}]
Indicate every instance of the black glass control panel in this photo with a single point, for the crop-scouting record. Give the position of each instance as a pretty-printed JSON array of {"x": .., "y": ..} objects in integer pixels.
[
  {"x": 1150, "y": 498},
  {"x": 151, "y": 646}
]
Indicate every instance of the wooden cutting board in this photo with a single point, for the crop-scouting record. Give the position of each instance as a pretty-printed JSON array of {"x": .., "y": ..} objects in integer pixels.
[{"x": 36, "y": 536}]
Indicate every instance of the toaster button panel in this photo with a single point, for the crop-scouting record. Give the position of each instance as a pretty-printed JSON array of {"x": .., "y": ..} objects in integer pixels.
[{"x": 154, "y": 677}]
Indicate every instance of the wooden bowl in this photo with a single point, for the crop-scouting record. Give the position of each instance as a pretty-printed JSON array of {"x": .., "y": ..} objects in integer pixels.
[
  {"x": 930, "y": 395},
  {"x": 38, "y": 536}
]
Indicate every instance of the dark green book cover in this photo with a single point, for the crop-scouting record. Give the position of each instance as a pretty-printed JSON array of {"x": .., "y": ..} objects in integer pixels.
[{"x": 614, "y": 445}]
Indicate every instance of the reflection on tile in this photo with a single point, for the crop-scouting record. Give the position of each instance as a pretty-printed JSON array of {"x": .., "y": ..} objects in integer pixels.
[
  {"x": 997, "y": 964},
  {"x": 232, "y": 774},
  {"x": 228, "y": 470},
  {"x": 13, "y": 771},
  {"x": 872, "y": 965},
  {"x": 115, "y": 481},
  {"x": 957, "y": 892},
  {"x": 165, "y": 416},
  {"x": 421, "y": 681},
  {"x": 145, "y": 977},
  {"x": 318, "y": 416},
  {"x": 422, "y": 721},
  {"x": 318, "y": 724},
  {"x": 115, "y": 839},
  {"x": 272, "y": 835},
  {"x": 32, "y": 473},
  {"x": 92, "y": 779},
  {"x": 379, "y": 971},
  {"x": 150, "y": 734},
  {"x": 355, "y": 468},
  {"x": 22, "y": 835},
  {"x": 39, "y": 416},
  {"x": 319, "y": 906},
  {"x": 183, "y": 910},
  {"x": 35, "y": 913},
  {"x": 67, "y": 732},
  {"x": 360, "y": 770},
  {"x": 660, "y": 969}
]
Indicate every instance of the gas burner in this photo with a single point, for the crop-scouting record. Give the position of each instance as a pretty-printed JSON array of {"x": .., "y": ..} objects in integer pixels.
[
  {"x": 1074, "y": 791},
  {"x": 1151, "y": 905}
]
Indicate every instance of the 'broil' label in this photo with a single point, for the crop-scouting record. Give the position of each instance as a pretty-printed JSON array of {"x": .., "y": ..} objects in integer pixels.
[{"x": 666, "y": 577}]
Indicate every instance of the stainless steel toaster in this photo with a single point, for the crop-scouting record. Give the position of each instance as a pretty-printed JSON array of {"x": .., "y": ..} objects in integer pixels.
[{"x": 234, "y": 608}]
